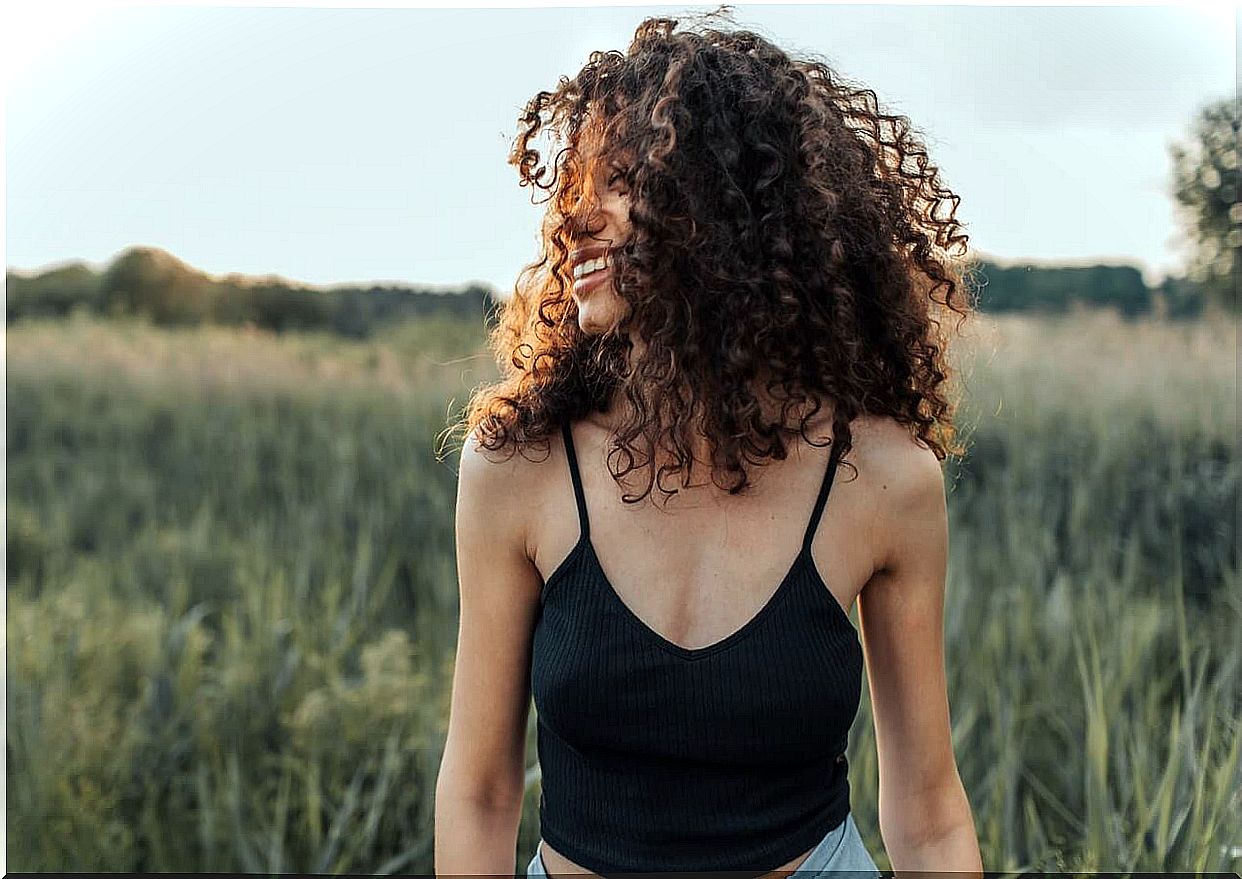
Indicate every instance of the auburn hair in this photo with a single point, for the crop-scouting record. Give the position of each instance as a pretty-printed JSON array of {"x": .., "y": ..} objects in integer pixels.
[{"x": 784, "y": 233}]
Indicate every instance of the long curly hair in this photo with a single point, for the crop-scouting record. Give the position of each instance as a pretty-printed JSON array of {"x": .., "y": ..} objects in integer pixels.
[{"x": 784, "y": 232}]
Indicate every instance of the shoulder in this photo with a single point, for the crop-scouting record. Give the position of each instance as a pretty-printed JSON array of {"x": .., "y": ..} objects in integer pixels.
[
  {"x": 492, "y": 472},
  {"x": 904, "y": 477},
  {"x": 899, "y": 460},
  {"x": 497, "y": 489}
]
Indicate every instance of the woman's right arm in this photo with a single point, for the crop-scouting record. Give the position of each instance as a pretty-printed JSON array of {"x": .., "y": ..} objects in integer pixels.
[{"x": 481, "y": 782}]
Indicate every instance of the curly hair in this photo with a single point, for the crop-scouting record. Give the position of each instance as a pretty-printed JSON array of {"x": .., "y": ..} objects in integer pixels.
[{"x": 783, "y": 231}]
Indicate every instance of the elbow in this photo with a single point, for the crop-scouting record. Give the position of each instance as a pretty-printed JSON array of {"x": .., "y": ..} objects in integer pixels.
[
  {"x": 491, "y": 794},
  {"x": 916, "y": 819}
]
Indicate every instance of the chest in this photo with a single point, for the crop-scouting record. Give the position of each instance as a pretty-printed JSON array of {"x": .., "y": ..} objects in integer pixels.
[{"x": 605, "y": 681}]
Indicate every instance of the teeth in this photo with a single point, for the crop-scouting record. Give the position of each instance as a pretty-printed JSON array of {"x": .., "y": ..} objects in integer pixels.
[{"x": 582, "y": 269}]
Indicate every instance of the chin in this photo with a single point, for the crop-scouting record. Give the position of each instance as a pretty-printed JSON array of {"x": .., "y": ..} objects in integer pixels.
[
  {"x": 588, "y": 326},
  {"x": 590, "y": 320}
]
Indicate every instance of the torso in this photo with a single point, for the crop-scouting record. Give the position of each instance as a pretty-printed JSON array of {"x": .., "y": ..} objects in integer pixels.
[{"x": 707, "y": 538}]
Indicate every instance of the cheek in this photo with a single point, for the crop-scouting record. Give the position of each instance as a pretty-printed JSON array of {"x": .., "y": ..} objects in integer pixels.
[{"x": 617, "y": 210}]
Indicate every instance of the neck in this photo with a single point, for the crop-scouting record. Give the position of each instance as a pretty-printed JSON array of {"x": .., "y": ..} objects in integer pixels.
[{"x": 619, "y": 409}]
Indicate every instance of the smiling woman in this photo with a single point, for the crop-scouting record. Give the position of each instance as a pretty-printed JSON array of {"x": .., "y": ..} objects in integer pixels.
[{"x": 744, "y": 262}]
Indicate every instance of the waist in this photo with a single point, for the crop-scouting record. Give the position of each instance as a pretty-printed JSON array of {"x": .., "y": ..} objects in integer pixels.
[
  {"x": 611, "y": 818},
  {"x": 554, "y": 864}
]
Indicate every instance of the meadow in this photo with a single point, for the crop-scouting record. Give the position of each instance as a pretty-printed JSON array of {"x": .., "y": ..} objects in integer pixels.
[{"x": 232, "y": 596}]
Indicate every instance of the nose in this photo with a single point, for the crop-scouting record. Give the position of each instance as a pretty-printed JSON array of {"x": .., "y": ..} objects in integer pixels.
[
  {"x": 584, "y": 216},
  {"x": 585, "y": 220}
]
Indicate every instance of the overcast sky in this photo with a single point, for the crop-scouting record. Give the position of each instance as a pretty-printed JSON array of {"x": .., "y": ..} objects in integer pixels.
[{"x": 359, "y": 145}]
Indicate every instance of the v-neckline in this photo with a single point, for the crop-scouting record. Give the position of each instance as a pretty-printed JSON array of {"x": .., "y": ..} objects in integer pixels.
[
  {"x": 803, "y": 558},
  {"x": 773, "y": 601}
]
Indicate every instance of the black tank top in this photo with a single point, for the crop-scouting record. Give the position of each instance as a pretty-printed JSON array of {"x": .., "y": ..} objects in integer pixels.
[{"x": 656, "y": 757}]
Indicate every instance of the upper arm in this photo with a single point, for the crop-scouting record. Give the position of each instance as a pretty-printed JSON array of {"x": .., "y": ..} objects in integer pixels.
[
  {"x": 485, "y": 748},
  {"x": 901, "y": 610}
]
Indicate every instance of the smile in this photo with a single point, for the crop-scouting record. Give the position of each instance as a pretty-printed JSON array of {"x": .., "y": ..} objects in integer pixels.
[
  {"x": 588, "y": 266},
  {"x": 585, "y": 281}
]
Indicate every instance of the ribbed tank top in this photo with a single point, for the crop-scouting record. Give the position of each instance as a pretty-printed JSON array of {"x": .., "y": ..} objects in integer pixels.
[{"x": 656, "y": 757}]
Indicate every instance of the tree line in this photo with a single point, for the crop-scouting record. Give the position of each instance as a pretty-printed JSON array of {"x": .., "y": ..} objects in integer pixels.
[{"x": 153, "y": 283}]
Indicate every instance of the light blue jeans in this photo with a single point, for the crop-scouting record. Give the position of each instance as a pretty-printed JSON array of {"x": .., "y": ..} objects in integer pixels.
[{"x": 840, "y": 853}]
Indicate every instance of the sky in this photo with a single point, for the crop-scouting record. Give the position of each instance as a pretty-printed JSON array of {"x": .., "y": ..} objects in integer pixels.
[{"x": 360, "y": 145}]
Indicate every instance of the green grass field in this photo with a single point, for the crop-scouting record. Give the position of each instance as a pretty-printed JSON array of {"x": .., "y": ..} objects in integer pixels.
[{"x": 231, "y": 597}]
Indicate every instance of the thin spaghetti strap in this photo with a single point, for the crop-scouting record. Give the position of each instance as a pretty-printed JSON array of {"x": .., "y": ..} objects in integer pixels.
[
  {"x": 579, "y": 496},
  {"x": 824, "y": 488}
]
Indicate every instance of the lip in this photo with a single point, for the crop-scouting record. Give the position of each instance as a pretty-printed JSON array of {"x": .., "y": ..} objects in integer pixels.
[
  {"x": 591, "y": 281},
  {"x": 578, "y": 255},
  {"x": 582, "y": 254}
]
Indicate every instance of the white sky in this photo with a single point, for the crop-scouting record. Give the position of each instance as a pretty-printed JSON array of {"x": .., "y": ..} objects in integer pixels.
[{"x": 325, "y": 144}]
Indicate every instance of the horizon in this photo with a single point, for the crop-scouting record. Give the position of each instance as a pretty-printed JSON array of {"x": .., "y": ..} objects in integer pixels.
[{"x": 459, "y": 287}]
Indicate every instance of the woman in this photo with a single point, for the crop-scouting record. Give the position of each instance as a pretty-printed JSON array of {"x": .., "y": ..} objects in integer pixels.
[{"x": 738, "y": 264}]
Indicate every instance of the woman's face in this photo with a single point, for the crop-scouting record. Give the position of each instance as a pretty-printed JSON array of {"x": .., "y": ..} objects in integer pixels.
[{"x": 606, "y": 226}]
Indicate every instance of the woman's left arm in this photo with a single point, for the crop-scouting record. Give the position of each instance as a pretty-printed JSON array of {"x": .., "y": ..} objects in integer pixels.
[{"x": 925, "y": 819}]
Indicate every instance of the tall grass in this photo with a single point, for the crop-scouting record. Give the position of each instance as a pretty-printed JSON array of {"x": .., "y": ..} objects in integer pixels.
[{"x": 232, "y": 594}]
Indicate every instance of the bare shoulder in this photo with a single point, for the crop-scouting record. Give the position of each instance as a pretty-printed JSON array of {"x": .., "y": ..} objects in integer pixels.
[
  {"x": 493, "y": 471},
  {"x": 903, "y": 476},
  {"x": 497, "y": 489},
  {"x": 893, "y": 453},
  {"x": 900, "y": 471}
]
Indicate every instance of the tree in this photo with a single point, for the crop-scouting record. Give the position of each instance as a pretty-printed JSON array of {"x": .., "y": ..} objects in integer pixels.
[{"x": 1206, "y": 186}]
